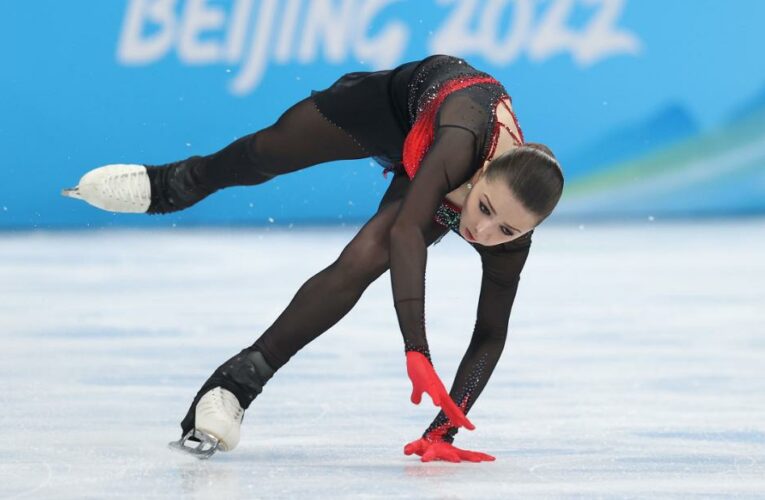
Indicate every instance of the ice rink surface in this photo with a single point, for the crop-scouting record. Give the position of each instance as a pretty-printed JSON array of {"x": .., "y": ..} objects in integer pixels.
[{"x": 635, "y": 367}]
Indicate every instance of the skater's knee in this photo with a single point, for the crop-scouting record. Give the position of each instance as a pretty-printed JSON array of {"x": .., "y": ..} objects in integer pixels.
[
  {"x": 364, "y": 259},
  {"x": 258, "y": 153}
]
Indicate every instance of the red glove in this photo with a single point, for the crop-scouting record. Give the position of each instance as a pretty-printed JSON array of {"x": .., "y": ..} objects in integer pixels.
[
  {"x": 424, "y": 379},
  {"x": 441, "y": 450}
]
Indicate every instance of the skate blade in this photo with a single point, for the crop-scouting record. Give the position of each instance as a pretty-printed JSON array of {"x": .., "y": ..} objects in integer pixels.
[
  {"x": 72, "y": 193},
  {"x": 206, "y": 448}
]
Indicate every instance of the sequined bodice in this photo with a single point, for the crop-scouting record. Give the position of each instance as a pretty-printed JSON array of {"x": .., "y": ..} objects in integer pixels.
[
  {"x": 448, "y": 215},
  {"x": 431, "y": 75},
  {"x": 424, "y": 87}
]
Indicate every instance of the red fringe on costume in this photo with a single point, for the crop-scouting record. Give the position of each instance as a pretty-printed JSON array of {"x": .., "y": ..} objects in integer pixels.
[{"x": 420, "y": 138}]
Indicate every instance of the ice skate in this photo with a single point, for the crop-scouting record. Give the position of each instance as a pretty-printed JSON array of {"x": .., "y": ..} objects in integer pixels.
[
  {"x": 218, "y": 418},
  {"x": 215, "y": 415},
  {"x": 116, "y": 188},
  {"x": 147, "y": 189}
]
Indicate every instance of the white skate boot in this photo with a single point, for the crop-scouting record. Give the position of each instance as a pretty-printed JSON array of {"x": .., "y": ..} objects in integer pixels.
[
  {"x": 218, "y": 417},
  {"x": 116, "y": 188}
]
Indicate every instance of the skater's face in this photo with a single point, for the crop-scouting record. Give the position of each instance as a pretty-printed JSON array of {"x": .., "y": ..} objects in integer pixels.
[{"x": 492, "y": 214}]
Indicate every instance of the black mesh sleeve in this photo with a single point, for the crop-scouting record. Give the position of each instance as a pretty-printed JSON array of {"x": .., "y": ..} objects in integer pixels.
[
  {"x": 453, "y": 157},
  {"x": 502, "y": 267}
]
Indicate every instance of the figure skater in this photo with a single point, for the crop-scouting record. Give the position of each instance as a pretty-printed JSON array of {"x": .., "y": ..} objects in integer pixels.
[{"x": 448, "y": 133}]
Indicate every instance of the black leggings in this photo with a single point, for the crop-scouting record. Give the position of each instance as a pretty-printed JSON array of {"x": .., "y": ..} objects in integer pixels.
[{"x": 302, "y": 137}]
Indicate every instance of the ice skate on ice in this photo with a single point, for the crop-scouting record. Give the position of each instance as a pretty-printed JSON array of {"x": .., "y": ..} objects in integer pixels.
[
  {"x": 214, "y": 418},
  {"x": 116, "y": 188},
  {"x": 218, "y": 417}
]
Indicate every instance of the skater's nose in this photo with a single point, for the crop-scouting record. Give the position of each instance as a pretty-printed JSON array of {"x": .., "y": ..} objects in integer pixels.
[{"x": 482, "y": 228}]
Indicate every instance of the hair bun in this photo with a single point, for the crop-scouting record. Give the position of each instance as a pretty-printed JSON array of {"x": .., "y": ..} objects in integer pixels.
[{"x": 540, "y": 147}]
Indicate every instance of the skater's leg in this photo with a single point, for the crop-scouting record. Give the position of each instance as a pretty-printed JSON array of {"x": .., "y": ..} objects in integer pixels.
[
  {"x": 300, "y": 138},
  {"x": 319, "y": 303}
]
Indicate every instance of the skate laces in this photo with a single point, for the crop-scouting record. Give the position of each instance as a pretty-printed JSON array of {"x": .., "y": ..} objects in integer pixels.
[
  {"x": 225, "y": 402},
  {"x": 129, "y": 186}
]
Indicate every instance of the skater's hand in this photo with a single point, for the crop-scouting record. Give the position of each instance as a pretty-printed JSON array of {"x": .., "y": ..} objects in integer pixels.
[
  {"x": 441, "y": 450},
  {"x": 425, "y": 379},
  {"x": 417, "y": 447}
]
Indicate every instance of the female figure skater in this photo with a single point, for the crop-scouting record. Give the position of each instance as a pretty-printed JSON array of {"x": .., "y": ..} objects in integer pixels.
[{"x": 448, "y": 133}]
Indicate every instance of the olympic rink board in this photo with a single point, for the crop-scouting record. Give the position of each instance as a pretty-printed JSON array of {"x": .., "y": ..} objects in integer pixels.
[{"x": 633, "y": 367}]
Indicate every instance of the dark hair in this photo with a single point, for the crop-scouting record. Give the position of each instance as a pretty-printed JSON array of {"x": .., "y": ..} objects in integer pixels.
[{"x": 534, "y": 175}]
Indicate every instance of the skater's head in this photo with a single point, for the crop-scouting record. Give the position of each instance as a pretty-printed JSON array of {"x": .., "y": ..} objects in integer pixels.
[{"x": 512, "y": 195}]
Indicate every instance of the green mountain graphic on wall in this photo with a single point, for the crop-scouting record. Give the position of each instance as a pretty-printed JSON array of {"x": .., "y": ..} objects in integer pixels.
[{"x": 719, "y": 171}]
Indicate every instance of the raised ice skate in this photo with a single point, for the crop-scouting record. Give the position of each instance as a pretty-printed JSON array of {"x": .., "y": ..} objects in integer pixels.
[{"x": 116, "y": 188}]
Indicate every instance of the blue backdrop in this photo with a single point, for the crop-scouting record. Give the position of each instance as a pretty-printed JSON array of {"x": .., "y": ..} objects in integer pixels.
[{"x": 655, "y": 108}]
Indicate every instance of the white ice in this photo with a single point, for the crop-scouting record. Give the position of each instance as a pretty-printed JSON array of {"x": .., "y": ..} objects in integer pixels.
[{"x": 635, "y": 366}]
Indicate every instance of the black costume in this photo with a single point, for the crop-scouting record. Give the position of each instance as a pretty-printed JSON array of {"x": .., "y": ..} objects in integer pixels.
[{"x": 367, "y": 114}]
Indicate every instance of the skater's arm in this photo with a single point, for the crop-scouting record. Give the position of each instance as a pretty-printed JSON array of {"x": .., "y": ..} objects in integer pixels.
[
  {"x": 452, "y": 159},
  {"x": 408, "y": 250},
  {"x": 408, "y": 253},
  {"x": 499, "y": 284}
]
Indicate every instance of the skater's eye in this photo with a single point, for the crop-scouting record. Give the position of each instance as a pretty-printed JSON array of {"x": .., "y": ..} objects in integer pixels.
[{"x": 486, "y": 211}]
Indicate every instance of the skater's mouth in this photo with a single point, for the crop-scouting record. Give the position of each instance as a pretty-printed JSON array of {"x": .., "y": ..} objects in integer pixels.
[{"x": 468, "y": 235}]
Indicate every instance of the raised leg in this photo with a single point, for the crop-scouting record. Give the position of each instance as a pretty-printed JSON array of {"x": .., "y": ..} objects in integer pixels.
[{"x": 300, "y": 138}]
